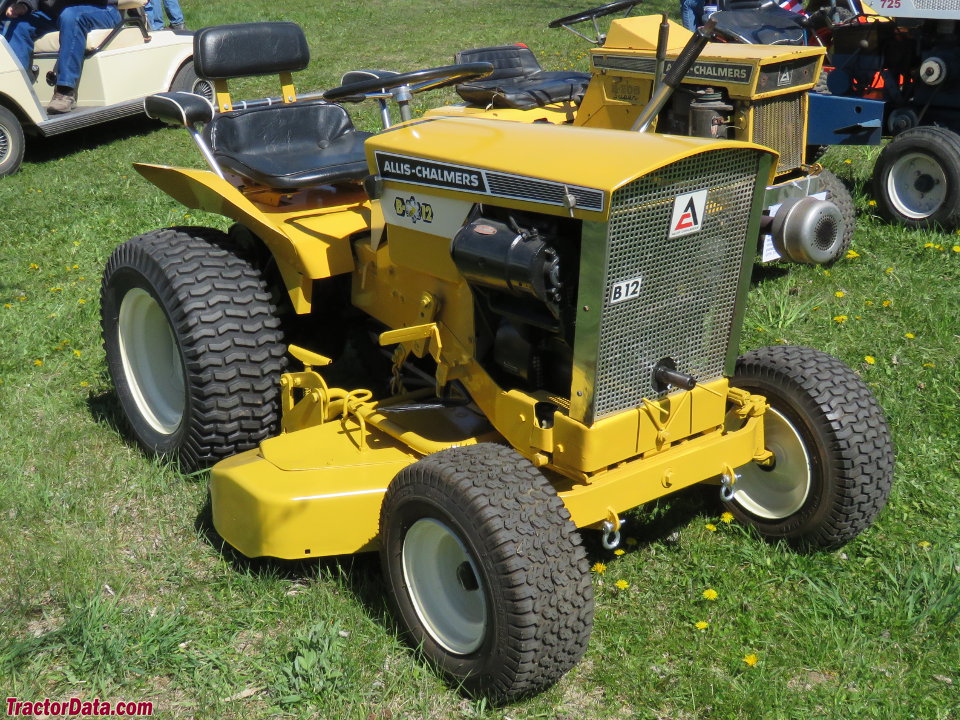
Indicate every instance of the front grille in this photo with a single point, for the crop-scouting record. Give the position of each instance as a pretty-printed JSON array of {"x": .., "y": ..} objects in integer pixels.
[
  {"x": 778, "y": 124},
  {"x": 689, "y": 284},
  {"x": 941, "y": 5}
]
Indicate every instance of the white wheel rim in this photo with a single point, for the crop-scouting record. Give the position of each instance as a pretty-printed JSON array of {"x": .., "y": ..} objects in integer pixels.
[
  {"x": 780, "y": 491},
  {"x": 4, "y": 143},
  {"x": 151, "y": 361},
  {"x": 435, "y": 566},
  {"x": 917, "y": 185}
]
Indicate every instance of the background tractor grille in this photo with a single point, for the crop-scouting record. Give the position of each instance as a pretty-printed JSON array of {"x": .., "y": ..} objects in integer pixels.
[
  {"x": 778, "y": 124},
  {"x": 689, "y": 287}
]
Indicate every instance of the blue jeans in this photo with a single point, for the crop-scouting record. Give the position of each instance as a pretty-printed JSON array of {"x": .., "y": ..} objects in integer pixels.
[
  {"x": 73, "y": 25},
  {"x": 690, "y": 12},
  {"x": 155, "y": 13}
]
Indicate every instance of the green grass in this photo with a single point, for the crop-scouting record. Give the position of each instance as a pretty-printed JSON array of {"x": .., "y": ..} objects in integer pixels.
[{"x": 112, "y": 586}]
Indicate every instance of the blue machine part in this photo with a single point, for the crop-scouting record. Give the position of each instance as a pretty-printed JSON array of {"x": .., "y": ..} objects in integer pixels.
[{"x": 834, "y": 120}]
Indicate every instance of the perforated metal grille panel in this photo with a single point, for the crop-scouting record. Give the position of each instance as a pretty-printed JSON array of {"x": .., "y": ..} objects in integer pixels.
[
  {"x": 688, "y": 290},
  {"x": 778, "y": 124},
  {"x": 938, "y": 4}
]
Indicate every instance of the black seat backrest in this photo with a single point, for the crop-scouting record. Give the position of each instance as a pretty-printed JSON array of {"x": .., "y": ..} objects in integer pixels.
[
  {"x": 222, "y": 52},
  {"x": 742, "y": 4},
  {"x": 509, "y": 61}
]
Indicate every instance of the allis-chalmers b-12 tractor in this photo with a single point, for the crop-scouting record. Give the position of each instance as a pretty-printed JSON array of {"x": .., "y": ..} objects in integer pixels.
[{"x": 561, "y": 345}]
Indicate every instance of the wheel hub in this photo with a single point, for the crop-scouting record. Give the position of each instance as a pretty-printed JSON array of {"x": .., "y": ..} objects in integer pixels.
[
  {"x": 4, "y": 144},
  {"x": 444, "y": 586},
  {"x": 917, "y": 185},
  {"x": 778, "y": 488},
  {"x": 151, "y": 361}
]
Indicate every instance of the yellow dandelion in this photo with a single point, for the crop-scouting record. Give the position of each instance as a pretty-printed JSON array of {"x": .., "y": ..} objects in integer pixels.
[
  {"x": 622, "y": 584},
  {"x": 619, "y": 551},
  {"x": 751, "y": 659},
  {"x": 84, "y": 383},
  {"x": 599, "y": 568},
  {"x": 711, "y": 527},
  {"x": 8, "y": 305},
  {"x": 710, "y": 594},
  {"x": 81, "y": 301},
  {"x": 848, "y": 161},
  {"x": 872, "y": 203},
  {"x": 956, "y": 248},
  {"x": 56, "y": 289},
  {"x": 76, "y": 243},
  {"x": 869, "y": 359},
  {"x": 76, "y": 353},
  {"x": 929, "y": 245},
  {"x": 868, "y": 302},
  {"x": 815, "y": 307},
  {"x": 851, "y": 254},
  {"x": 22, "y": 298},
  {"x": 827, "y": 273},
  {"x": 839, "y": 293},
  {"x": 701, "y": 624},
  {"x": 887, "y": 303},
  {"x": 727, "y": 517},
  {"x": 38, "y": 362},
  {"x": 924, "y": 544},
  {"x": 938, "y": 247},
  {"x": 840, "y": 319},
  {"x": 929, "y": 364},
  {"x": 909, "y": 336},
  {"x": 889, "y": 270}
]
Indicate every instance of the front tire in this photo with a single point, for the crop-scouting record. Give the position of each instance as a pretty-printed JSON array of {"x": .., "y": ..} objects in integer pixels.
[
  {"x": 838, "y": 194},
  {"x": 487, "y": 572},
  {"x": 193, "y": 345},
  {"x": 833, "y": 458},
  {"x": 12, "y": 143},
  {"x": 916, "y": 180}
]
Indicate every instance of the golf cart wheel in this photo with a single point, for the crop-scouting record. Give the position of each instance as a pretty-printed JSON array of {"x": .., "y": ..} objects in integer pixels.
[
  {"x": 838, "y": 194},
  {"x": 193, "y": 345},
  {"x": 186, "y": 80},
  {"x": 916, "y": 180},
  {"x": 11, "y": 142},
  {"x": 487, "y": 573},
  {"x": 833, "y": 458}
]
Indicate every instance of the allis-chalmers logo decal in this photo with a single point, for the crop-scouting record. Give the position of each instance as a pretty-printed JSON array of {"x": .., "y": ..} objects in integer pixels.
[
  {"x": 425, "y": 172},
  {"x": 413, "y": 209},
  {"x": 688, "y": 211}
]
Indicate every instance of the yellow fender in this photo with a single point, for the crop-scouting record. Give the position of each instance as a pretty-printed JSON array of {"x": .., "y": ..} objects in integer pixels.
[{"x": 307, "y": 243}]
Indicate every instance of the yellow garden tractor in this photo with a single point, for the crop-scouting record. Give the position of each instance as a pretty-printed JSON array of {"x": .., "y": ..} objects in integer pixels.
[
  {"x": 756, "y": 93},
  {"x": 542, "y": 344}
]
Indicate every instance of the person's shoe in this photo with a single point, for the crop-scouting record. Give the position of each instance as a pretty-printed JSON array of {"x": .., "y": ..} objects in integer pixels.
[
  {"x": 178, "y": 26},
  {"x": 64, "y": 100}
]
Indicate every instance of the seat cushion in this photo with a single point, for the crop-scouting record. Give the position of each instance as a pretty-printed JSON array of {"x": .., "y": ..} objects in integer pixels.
[
  {"x": 527, "y": 92},
  {"x": 290, "y": 146},
  {"x": 509, "y": 61},
  {"x": 128, "y": 37}
]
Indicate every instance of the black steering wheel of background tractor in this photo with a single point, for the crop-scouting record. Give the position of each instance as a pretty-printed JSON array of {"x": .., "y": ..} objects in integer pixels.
[
  {"x": 594, "y": 13},
  {"x": 402, "y": 87}
]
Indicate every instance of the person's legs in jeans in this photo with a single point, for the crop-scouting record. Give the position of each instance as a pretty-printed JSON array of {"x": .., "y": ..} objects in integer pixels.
[
  {"x": 174, "y": 13},
  {"x": 22, "y": 33},
  {"x": 154, "y": 14},
  {"x": 74, "y": 23},
  {"x": 690, "y": 12}
]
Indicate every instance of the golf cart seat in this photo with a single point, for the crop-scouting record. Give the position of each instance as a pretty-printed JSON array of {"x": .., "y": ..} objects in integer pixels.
[
  {"x": 281, "y": 143},
  {"x": 131, "y": 31},
  {"x": 518, "y": 81}
]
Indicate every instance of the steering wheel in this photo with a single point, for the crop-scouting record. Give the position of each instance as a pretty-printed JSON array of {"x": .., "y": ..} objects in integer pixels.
[
  {"x": 416, "y": 81},
  {"x": 594, "y": 13}
]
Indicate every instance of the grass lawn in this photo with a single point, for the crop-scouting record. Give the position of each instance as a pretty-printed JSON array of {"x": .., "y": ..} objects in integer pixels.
[{"x": 111, "y": 586}]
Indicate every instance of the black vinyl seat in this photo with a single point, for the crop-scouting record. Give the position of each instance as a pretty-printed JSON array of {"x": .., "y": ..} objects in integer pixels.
[
  {"x": 281, "y": 145},
  {"x": 759, "y": 22},
  {"x": 290, "y": 146},
  {"x": 518, "y": 81}
]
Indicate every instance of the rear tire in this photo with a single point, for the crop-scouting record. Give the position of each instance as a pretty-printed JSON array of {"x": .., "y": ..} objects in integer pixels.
[
  {"x": 916, "y": 179},
  {"x": 12, "y": 143},
  {"x": 838, "y": 194},
  {"x": 193, "y": 345},
  {"x": 833, "y": 455},
  {"x": 486, "y": 569}
]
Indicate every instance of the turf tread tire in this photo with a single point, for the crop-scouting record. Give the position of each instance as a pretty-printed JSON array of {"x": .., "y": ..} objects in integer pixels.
[
  {"x": 225, "y": 325},
  {"x": 530, "y": 555},
  {"x": 938, "y": 142},
  {"x": 838, "y": 194},
  {"x": 12, "y": 142},
  {"x": 841, "y": 416}
]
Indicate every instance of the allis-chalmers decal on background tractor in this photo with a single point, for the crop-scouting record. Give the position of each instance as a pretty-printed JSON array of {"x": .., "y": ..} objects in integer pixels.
[{"x": 542, "y": 344}]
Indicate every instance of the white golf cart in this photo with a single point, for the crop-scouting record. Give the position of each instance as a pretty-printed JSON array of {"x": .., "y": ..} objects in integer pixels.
[{"x": 121, "y": 67}]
